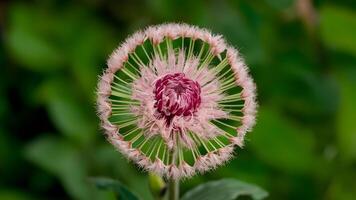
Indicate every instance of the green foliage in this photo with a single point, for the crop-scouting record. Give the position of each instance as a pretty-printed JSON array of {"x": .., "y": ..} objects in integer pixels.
[
  {"x": 13, "y": 195},
  {"x": 292, "y": 151},
  {"x": 27, "y": 44},
  {"x": 59, "y": 158},
  {"x": 338, "y": 28},
  {"x": 346, "y": 116},
  {"x": 280, "y": 4},
  {"x": 70, "y": 116},
  {"x": 120, "y": 190},
  {"x": 225, "y": 189}
]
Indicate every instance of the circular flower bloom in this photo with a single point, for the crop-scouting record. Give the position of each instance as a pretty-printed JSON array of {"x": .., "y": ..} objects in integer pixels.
[{"x": 176, "y": 100}]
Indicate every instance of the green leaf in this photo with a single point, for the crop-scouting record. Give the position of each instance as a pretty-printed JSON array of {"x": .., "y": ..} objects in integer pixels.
[
  {"x": 281, "y": 144},
  {"x": 120, "y": 190},
  {"x": 346, "y": 129},
  {"x": 91, "y": 49},
  {"x": 27, "y": 45},
  {"x": 338, "y": 28},
  {"x": 234, "y": 25},
  {"x": 342, "y": 186},
  {"x": 33, "y": 52},
  {"x": 226, "y": 189},
  {"x": 108, "y": 160},
  {"x": 61, "y": 159},
  {"x": 280, "y": 4},
  {"x": 72, "y": 115},
  {"x": 14, "y": 195}
]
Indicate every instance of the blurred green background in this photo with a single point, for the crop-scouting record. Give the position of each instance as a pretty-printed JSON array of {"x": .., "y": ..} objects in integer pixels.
[{"x": 302, "y": 55}]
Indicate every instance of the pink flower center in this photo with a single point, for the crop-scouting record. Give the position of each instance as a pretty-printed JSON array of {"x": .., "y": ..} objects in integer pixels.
[{"x": 176, "y": 95}]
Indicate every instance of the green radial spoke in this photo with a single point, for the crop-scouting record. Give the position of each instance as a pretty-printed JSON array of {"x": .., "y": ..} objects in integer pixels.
[
  {"x": 118, "y": 109},
  {"x": 145, "y": 51},
  {"x": 208, "y": 60},
  {"x": 226, "y": 134},
  {"x": 225, "y": 88},
  {"x": 159, "y": 149},
  {"x": 219, "y": 67},
  {"x": 235, "y": 118},
  {"x": 137, "y": 59},
  {"x": 232, "y": 110},
  {"x": 201, "y": 141},
  {"x": 127, "y": 124},
  {"x": 216, "y": 139},
  {"x": 228, "y": 83},
  {"x": 138, "y": 136},
  {"x": 169, "y": 43},
  {"x": 121, "y": 87},
  {"x": 122, "y": 113},
  {"x": 231, "y": 76},
  {"x": 126, "y": 102},
  {"x": 153, "y": 147},
  {"x": 118, "y": 78},
  {"x": 131, "y": 132},
  {"x": 117, "y": 89},
  {"x": 231, "y": 105},
  {"x": 227, "y": 125},
  {"x": 164, "y": 155},
  {"x": 191, "y": 48},
  {"x": 133, "y": 67},
  {"x": 160, "y": 51},
  {"x": 129, "y": 73},
  {"x": 229, "y": 100},
  {"x": 122, "y": 95},
  {"x": 232, "y": 96},
  {"x": 201, "y": 50},
  {"x": 125, "y": 121}
]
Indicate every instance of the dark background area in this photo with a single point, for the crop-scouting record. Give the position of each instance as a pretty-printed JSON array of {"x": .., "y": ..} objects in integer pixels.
[{"x": 302, "y": 55}]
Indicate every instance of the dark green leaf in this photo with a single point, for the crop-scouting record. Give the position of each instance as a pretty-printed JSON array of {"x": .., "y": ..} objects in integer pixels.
[
  {"x": 346, "y": 117},
  {"x": 120, "y": 190},
  {"x": 61, "y": 159},
  {"x": 73, "y": 116},
  {"x": 342, "y": 186},
  {"x": 338, "y": 28},
  {"x": 27, "y": 45},
  {"x": 281, "y": 144},
  {"x": 14, "y": 195},
  {"x": 226, "y": 189},
  {"x": 280, "y": 4}
]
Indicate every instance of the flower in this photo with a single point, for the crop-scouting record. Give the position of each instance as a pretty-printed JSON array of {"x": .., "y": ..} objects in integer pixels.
[{"x": 176, "y": 99}]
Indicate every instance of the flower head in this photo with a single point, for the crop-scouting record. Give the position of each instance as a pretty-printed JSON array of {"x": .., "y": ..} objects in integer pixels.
[{"x": 176, "y": 100}]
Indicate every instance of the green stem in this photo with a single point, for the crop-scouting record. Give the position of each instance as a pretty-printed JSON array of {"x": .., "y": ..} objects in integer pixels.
[
  {"x": 173, "y": 189},
  {"x": 173, "y": 184}
]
